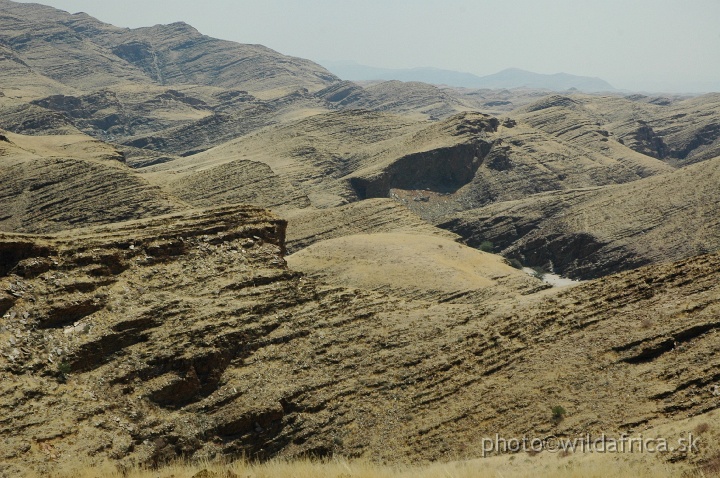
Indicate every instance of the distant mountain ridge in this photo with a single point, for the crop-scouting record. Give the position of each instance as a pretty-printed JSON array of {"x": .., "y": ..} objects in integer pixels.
[
  {"x": 509, "y": 78},
  {"x": 98, "y": 55}
]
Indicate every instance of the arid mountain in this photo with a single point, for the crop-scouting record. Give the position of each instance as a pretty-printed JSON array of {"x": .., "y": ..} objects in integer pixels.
[
  {"x": 51, "y": 183},
  {"x": 593, "y": 232},
  {"x": 435, "y": 168},
  {"x": 679, "y": 131},
  {"x": 212, "y": 250},
  {"x": 187, "y": 335},
  {"x": 97, "y": 55}
]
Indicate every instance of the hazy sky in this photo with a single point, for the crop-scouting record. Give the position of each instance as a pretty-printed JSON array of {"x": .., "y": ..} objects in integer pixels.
[{"x": 654, "y": 45}]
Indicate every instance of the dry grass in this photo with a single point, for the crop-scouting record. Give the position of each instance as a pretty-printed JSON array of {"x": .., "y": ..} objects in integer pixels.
[
  {"x": 500, "y": 467},
  {"x": 394, "y": 261}
]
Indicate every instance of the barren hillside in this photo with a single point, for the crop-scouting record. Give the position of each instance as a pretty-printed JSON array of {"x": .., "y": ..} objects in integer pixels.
[
  {"x": 212, "y": 251},
  {"x": 592, "y": 232},
  {"x": 51, "y": 183},
  {"x": 188, "y": 336}
]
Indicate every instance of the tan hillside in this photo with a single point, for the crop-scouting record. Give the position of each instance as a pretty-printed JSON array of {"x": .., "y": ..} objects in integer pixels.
[
  {"x": 434, "y": 168},
  {"x": 97, "y": 55},
  {"x": 310, "y": 225},
  {"x": 51, "y": 183},
  {"x": 679, "y": 131},
  {"x": 241, "y": 118},
  {"x": 246, "y": 182},
  {"x": 219, "y": 261},
  {"x": 393, "y": 262},
  {"x": 573, "y": 122},
  {"x": 28, "y": 119},
  {"x": 314, "y": 154},
  {"x": 411, "y": 98},
  {"x": 591, "y": 232},
  {"x": 187, "y": 335}
]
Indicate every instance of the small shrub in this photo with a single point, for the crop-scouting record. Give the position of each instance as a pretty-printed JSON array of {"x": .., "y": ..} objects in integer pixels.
[
  {"x": 558, "y": 413},
  {"x": 515, "y": 263},
  {"x": 486, "y": 246},
  {"x": 63, "y": 369}
]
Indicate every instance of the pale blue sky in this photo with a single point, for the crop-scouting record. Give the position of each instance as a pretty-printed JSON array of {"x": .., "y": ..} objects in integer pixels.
[{"x": 654, "y": 45}]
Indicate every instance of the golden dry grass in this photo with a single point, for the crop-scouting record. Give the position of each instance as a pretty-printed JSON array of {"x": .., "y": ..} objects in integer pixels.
[
  {"x": 394, "y": 261},
  {"x": 516, "y": 466}
]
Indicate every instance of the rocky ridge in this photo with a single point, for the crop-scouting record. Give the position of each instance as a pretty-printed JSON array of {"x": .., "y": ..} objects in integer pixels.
[{"x": 187, "y": 335}]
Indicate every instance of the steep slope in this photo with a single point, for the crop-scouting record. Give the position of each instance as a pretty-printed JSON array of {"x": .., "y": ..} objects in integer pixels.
[
  {"x": 186, "y": 336},
  {"x": 574, "y": 122},
  {"x": 97, "y": 55},
  {"x": 679, "y": 131},
  {"x": 238, "y": 182},
  {"x": 125, "y": 112},
  {"x": 434, "y": 168},
  {"x": 50, "y": 183},
  {"x": 313, "y": 154},
  {"x": 38, "y": 35},
  {"x": 20, "y": 117},
  {"x": 224, "y": 126},
  {"x": 592, "y": 232},
  {"x": 19, "y": 80}
]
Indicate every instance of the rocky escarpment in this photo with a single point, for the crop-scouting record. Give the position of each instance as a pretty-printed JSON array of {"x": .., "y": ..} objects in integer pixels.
[
  {"x": 223, "y": 125},
  {"x": 442, "y": 170},
  {"x": 682, "y": 133},
  {"x": 112, "y": 116},
  {"x": 187, "y": 336},
  {"x": 29, "y": 119},
  {"x": 679, "y": 131}
]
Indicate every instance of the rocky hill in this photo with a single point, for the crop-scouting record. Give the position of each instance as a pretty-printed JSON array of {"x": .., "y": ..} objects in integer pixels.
[
  {"x": 679, "y": 131},
  {"x": 211, "y": 250},
  {"x": 52, "y": 183},
  {"x": 97, "y": 55},
  {"x": 187, "y": 336},
  {"x": 592, "y": 232},
  {"x": 434, "y": 168}
]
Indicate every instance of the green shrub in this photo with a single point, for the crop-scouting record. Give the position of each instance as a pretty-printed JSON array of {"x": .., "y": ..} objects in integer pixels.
[
  {"x": 486, "y": 246},
  {"x": 515, "y": 263},
  {"x": 63, "y": 369}
]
